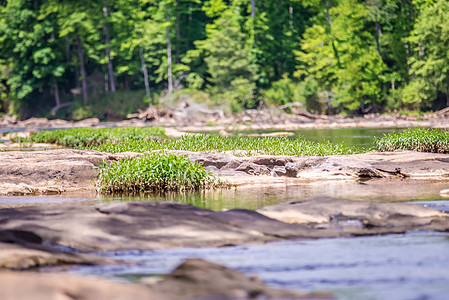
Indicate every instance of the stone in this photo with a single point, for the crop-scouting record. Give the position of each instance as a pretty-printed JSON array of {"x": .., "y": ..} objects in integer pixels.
[
  {"x": 327, "y": 210},
  {"x": 35, "y": 286},
  {"x": 197, "y": 278}
]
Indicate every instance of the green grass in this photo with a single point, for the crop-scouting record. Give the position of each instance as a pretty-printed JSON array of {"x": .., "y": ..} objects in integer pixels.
[
  {"x": 154, "y": 173},
  {"x": 114, "y": 140},
  {"x": 83, "y": 137},
  {"x": 421, "y": 139},
  {"x": 243, "y": 146}
]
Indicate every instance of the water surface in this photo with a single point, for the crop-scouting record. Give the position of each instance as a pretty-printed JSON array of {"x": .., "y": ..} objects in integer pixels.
[
  {"x": 405, "y": 266},
  {"x": 357, "y": 137}
]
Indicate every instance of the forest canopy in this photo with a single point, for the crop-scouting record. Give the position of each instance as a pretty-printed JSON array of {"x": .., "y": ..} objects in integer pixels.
[{"x": 75, "y": 58}]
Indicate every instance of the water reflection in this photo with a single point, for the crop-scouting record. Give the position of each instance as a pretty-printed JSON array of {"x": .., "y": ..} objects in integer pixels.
[{"x": 255, "y": 198}]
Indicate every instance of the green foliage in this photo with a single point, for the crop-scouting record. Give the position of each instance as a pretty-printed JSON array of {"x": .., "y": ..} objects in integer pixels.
[
  {"x": 281, "y": 92},
  {"x": 238, "y": 145},
  {"x": 111, "y": 106},
  {"x": 422, "y": 140},
  {"x": 154, "y": 173},
  {"x": 286, "y": 91},
  {"x": 340, "y": 55},
  {"x": 429, "y": 63},
  {"x": 82, "y": 137},
  {"x": 228, "y": 60}
]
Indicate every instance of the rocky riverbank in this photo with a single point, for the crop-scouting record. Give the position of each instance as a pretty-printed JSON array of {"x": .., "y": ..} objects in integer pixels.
[
  {"x": 61, "y": 171},
  {"x": 190, "y": 119}
]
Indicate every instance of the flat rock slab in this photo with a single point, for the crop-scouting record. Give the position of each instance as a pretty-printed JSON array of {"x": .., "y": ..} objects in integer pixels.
[
  {"x": 21, "y": 250},
  {"x": 159, "y": 225},
  {"x": 66, "y": 170},
  {"x": 331, "y": 211},
  {"x": 193, "y": 279},
  {"x": 51, "y": 171}
]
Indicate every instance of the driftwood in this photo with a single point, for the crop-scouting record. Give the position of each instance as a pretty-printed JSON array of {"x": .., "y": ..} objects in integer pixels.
[
  {"x": 298, "y": 111},
  {"x": 151, "y": 113},
  {"x": 55, "y": 109},
  {"x": 441, "y": 112}
]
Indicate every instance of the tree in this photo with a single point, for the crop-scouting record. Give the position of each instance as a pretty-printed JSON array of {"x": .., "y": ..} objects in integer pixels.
[
  {"x": 344, "y": 58},
  {"x": 232, "y": 73},
  {"x": 429, "y": 63}
]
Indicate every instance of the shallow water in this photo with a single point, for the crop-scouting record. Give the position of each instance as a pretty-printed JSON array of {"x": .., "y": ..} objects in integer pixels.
[
  {"x": 257, "y": 197},
  {"x": 357, "y": 137},
  {"x": 406, "y": 266}
]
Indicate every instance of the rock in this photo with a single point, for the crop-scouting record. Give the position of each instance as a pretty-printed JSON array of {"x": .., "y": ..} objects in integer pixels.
[
  {"x": 35, "y": 286},
  {"x": 159, "y": 225},
  {"x": 87, "y": 122},
  {"x": 65, "y": 170},
  {"x": 145, "y": 225},
  {"x": 193, "y": 279},
  {"x": 20, "y": 257},
  {"x": 327, "y": 210},
  {"x": 197, "y": 278},
  {"x": 20, "y": 250},
  {"x": 270, "y": 134},
  {"x": 50, "y": 172},
  {"x": 444, "y": 193},
  {"x": 34, "y": 122},
  {"x": 171, "y": 132}
]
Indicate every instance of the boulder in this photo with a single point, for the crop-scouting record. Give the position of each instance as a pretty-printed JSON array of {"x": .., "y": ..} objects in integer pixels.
[{"x": 200, "y": 279}]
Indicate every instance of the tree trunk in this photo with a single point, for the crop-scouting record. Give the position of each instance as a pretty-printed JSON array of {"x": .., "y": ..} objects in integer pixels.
[
  {"x": 290, "y": 13},
  {"x": 108, "y": 51},
  {"x": 178, "y": 34},
  {"x": 253, "y": 9},
  {"x": 82, "y": 69},
  {"x": 447, "y": 89},
  {"x": 169, "y": 57},
  {"x": 328, "y": 18},
  {"x": 145, "y": 73},
  {"x": 378, "y": 33},
  {"x": 57, "y": 99}
]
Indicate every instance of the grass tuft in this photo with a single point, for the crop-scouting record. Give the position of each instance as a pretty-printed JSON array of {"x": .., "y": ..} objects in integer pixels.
[
  {"x": 154, "y": 173},
  {"x": 421, "y": 139}
]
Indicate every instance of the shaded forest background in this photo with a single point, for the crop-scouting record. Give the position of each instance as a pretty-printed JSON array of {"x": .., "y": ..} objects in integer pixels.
[{"x": 77, "y": 58}]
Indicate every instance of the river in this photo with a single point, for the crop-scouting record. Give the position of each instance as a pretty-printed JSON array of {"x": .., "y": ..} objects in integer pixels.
[{"x": 401, "y": 266}]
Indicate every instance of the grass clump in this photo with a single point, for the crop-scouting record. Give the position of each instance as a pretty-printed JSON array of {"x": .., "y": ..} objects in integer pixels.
[
  {"x": 421, "y": 139},
  {"x": 154, "y": 173},
  {"x": 83, "y": 137},
  {"x": 244, "y": 146}
]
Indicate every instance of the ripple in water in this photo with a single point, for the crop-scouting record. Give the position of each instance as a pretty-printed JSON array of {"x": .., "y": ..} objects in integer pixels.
[{"x": 406, "y": 266}]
